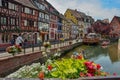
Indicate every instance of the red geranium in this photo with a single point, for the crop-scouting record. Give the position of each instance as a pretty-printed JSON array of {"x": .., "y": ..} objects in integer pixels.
[
  {"x": 49, "y": 67},
  {"x": 98, "y": 66},
  {"x": 41, "y": 75},
  {"x": 79, "y": 57}
]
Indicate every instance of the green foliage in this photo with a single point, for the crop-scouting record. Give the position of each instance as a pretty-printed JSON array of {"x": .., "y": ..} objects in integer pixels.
[{"x": 67, "y": 68}]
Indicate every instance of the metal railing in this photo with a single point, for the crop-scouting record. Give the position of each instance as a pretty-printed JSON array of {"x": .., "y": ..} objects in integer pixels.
[{"x": 31, "y": 47}]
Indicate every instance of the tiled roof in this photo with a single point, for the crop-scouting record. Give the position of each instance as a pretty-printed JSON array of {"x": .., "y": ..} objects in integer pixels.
[
  {"x": 118, "y": 18},
  {"x": 27, "y": 3},
  {"x": 77, "y": 14}
]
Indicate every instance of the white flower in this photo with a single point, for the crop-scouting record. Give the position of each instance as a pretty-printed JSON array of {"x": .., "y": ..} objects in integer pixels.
[
  {"x": 46, "y": 72},
  {"x": 59, "y": 54},
  {"x": 101, "y": 68},
  {"x": 49, "y": 61},
  {"x": 55, "y": 55},
  {"x": 48, "y": 43},
  {"x": 54, "y": 69},
  {"x": 44, "y": 54}
]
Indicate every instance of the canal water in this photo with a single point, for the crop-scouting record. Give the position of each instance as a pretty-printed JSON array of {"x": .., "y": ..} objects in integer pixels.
[{"x": 108, "y": 58}]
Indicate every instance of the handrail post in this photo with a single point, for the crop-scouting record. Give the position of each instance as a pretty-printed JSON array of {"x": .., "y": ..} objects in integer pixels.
[
  {"x": 32, "y": 46},
  {"x": 24, "y": 49}
]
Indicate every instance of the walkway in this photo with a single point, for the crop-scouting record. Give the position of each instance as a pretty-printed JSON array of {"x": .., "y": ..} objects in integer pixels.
[{"x": 37, "y": 49}]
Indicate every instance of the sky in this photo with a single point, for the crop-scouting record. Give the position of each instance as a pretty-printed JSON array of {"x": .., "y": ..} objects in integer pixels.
[{"x": 98, "y": 9}]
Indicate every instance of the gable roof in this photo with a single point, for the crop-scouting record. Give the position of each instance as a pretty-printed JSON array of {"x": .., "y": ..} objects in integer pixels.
[
  {"x": 27, "y": 3},
  {"x": 118, "y": 18},
  {"x": 77, "y": 14}
]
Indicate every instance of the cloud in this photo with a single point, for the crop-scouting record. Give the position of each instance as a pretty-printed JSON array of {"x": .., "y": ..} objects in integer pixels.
[{"x": 93, "y": 8}]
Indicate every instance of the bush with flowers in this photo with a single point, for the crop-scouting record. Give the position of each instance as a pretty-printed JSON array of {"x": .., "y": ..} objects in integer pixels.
[
  {"x": 14, "y": 49},
  {"x": 71, "y": 68}
]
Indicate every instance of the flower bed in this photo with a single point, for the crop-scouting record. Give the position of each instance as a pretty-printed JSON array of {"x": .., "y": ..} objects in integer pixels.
[{"x": 71, "y": 68}]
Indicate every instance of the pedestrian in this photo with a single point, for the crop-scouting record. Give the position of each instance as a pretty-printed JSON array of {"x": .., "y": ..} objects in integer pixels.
[
  {"x": 19, "y": 41},
  {"x": 12, "y": 41},
  {"x": 25, "y": 42}
]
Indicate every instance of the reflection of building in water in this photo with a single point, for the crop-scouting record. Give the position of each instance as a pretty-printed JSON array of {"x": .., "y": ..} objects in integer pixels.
[{"x": 114, "y": 53}]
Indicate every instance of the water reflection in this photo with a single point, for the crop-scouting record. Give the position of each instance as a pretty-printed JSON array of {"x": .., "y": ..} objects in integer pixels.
[
  {"x": 108, "y": 57},
  {"x": 114, "y": 53}
]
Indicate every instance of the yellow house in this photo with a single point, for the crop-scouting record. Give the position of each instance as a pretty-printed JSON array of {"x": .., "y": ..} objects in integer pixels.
[
  {"x": 67, "y": 25},
  {"x": 80, "y": 19}
]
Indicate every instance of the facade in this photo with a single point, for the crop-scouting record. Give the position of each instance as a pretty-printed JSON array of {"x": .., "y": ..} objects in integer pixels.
[
  {"x": 18, "y": 16},
  {"x": 28, "y": 21},
  {"x": 101, "y": 27},
  {"x": 69, "y": 29},
  {"x": 9, "y": 20},
  {"x": 115, "y": 27},
  {"x": 60, "y": 25},
  {"x": 82, "y": 20},
  {"x": 43, "y": 19},
  {"x": 65, "y": 28},
  {"x": 53, "y": 29}
]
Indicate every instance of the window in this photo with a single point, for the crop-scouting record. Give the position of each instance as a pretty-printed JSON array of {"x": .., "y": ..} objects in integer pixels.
[
  {"x": 22, "y": 9},
  {"x": 33, "y": 12},
  {"x": 31, "y": 23},
  {"x": 3, "y": 20},
  {"x": 34, "y": 24},
  {"x": 29, "y": 11},
  {"x": 12, "y": 21},
  {"x": 41, "y": 15},
  {"x": 17, "y": 22},
  {"x": 46, "y": 16},
  {"x": 25, "y": 22},
  {"x": 5, "y": 3},
  {"x": 13, "y": 6},
  {"x": 26, "y": 10},
  {"x": 40, "y": 25},
  {"x": 0, "y": 2}
]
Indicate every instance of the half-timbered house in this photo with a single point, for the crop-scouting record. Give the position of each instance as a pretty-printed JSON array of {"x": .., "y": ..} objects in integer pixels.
[{"x": 9, "y": 20}]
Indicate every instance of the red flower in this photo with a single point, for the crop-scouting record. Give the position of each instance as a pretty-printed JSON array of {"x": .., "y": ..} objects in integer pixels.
[
  {"x": 41, "y": 75},
  {"x": 98, "y": 66},
  {"x": 49, "y": 67},
  {"x": 87, "y": 63},
  {"x": 79, "y": 57}
]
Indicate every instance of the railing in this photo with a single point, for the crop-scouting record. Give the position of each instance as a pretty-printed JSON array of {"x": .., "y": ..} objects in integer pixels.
[{"x": 28, "y": 48}]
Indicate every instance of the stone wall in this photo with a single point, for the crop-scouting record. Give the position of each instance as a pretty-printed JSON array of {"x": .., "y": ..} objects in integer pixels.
[{"x": 9, "y": 64}]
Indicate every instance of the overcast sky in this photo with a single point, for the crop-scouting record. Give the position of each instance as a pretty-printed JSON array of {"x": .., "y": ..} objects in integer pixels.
[{"x": 98, "y": 9}]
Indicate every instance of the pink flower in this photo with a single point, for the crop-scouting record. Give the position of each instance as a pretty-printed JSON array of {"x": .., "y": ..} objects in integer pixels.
[
  {"x": 87, "y": 63},
  {"x": 115, "y": 74},
  {"x": 89, "y": 74}
]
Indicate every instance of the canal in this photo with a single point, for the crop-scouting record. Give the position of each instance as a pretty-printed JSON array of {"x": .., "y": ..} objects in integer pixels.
[{"x": 108, "y": 58}]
